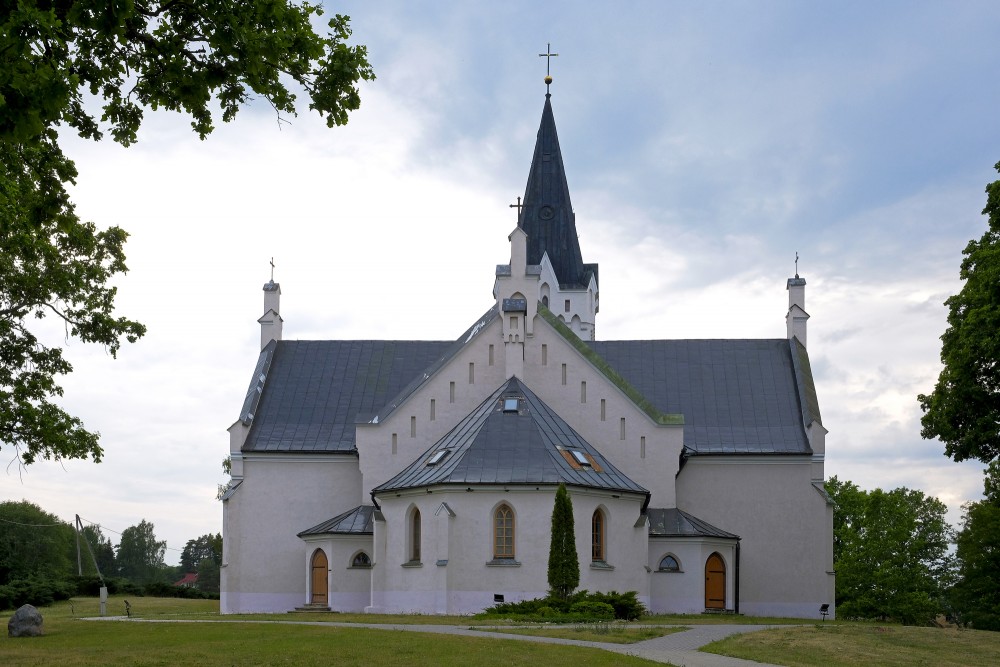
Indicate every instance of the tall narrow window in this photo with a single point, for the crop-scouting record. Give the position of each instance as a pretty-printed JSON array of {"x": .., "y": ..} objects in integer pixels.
[
  {"x": 621, "y": 429},
  {"x": 415, "y": 536},
  {"x": 451, "y": 392},
  {"x": 604, "y": 409},
  {"x": 395, "y": 442},
  {"x": 413, "y": 426},
  {"x": 472, "y": 373},
  {"x": 597, "y": 536},
  {"x": 567, "y": 306},
  {"x": 503, "y": 532},
  {"x": 513, "y": 321},
  {"x": 545, "y": 354},
  {"x": 491, "y": 355},
  {"x": 564, "y": 373},
  {"x": 642, "y": 447},
  {"x": 583, "y": 391},
  {"x": 433, "y": 409}
]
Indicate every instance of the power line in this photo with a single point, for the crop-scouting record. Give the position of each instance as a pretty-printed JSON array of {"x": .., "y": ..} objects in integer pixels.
[{"x": 36, "y": 525}]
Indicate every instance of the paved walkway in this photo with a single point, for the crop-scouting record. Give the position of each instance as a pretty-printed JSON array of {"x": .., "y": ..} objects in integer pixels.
[{"x": 679, "y": 648}]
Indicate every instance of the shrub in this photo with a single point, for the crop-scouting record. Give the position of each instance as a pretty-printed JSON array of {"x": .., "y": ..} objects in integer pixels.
[
  {"x": 598, "y": 611},
  {"x": 624, "y": 606},
  {"x": 37, "y": 592}
]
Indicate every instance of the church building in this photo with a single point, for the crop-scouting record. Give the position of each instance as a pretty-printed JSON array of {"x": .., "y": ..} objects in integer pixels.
[{"x": 409, "y": 476}]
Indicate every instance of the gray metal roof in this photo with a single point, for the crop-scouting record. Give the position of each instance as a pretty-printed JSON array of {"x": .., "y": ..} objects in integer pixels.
[
  {"x": 495, "y": 446},
  {"x": 357, "y": 521},
  {"x": 307, "y": 396},
  {"x": 672, "y": 522},
  {"x": 311, "y": 392},
  {"x": 736, "y": 396}
]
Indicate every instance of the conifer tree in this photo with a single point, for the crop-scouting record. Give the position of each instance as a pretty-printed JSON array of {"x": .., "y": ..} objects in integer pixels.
[{"x": 564, "y": 566}]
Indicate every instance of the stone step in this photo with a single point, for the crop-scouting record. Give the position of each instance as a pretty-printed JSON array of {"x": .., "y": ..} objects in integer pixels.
[{"x": 312, "y": 608}]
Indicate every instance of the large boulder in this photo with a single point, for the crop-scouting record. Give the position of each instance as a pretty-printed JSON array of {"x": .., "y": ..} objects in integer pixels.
[{"x": 26, "y": 622}]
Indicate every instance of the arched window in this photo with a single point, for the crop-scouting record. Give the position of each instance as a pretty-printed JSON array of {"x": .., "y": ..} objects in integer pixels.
[
  {"x": 669, "y": 563},
  {"x": 415, "y": 536},
  {"x": 361, "y": 560},
  {"x": 503, "y": 532},
  {"x": 597, "y": 530}
]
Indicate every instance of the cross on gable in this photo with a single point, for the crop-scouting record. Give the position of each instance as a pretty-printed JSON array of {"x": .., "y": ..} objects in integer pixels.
[{"x": 518, "y": 206}]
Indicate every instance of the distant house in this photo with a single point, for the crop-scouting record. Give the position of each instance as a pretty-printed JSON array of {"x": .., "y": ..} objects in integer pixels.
[
  {"x": 190, "y": 580},
  {"x": 419, "y": 476}
]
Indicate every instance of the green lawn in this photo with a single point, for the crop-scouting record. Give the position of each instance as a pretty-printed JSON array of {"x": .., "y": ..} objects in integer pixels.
[
  {"x": 70, "y": 642},
  {"x": 853, "y": 644}
]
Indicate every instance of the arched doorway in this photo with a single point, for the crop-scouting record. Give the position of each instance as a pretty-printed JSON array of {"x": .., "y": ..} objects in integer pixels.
[
  {"x": 715, "y": 582},
  {"x": 319, "y": 572}
]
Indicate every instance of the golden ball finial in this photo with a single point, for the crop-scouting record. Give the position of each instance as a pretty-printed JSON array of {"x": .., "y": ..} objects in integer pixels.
[{"x": 548, "y": 79}]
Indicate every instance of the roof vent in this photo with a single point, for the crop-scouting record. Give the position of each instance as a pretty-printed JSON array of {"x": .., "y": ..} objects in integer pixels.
[{"x": 437, "y": 457}]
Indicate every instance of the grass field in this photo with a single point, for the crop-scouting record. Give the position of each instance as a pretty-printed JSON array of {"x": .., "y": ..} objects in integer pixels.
[
  {"x": 70, "y": 642},
  {"x": 612, "y": 633},
  {"x": 853, "y": 644}
]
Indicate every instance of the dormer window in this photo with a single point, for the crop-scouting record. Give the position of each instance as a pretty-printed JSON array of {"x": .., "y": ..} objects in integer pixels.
[
  {"x": 580, "y": 457},
  {"x": 510, "y": 405},
  {"x": 437, "y": 457}
]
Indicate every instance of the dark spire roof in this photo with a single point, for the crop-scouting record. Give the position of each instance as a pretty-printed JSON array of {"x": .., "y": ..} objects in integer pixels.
[{"x": 547, "y": 217}]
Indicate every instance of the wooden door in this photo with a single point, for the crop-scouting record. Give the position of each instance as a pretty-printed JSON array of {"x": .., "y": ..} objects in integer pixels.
[
  {"x": 319, "y": 572},
  {"x": 715, "y": 582}
]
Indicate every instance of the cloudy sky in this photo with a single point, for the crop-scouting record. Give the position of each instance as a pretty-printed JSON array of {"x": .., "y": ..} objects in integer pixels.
[{"x": 705, "y": 144}]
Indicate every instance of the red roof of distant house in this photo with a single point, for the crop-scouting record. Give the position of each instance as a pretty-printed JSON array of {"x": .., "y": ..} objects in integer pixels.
[{"x": 190, "y": 579}]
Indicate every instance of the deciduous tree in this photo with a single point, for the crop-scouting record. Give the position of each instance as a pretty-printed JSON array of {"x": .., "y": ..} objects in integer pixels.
[
  {"x": 60, "y": 62},
  {"x": 564, "y": 565},
  {"x": 890, "y": 552},
  {"x": 977, "y": 593},
  {"x": 140, "y": 554},
  {"x": 206, "y": 547},
  {"x": 963, "y": 411},
  {"x": 33, "y": 543}
]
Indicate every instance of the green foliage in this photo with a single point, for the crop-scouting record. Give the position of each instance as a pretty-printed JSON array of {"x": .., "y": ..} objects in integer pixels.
[
  {"x": 963, "y": 411},
  {"x": 890, "y": 551},
  {"x": 34, "y": 543},
  {"x": 35, "y": 591},
  {"x": 209, "y": 576},
  {"x": 104, "y": 552},
  {"x": 600, "y": 611},
  {"x": 161, "y": 589},
  {"x": 201, "y": 548},
  {"x": 140, "y": 555},
  {"x": 58, "y": 62},
  {"x": 581, "y": 606},
  {"x": 564, "y": 566},
  {"x": 976, "y": 596}
]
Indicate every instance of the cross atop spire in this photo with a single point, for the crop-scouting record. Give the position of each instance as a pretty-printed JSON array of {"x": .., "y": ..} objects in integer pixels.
[
  {"x": 272, "y": 269},
  {"x": 548, "y": 55}
]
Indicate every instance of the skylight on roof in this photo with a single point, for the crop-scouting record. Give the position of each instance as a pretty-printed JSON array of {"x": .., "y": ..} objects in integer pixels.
[
  {"x": 437, "y": 457},
  {"x": 579, "y": 457},
  {"x": 510, "y": 405}
]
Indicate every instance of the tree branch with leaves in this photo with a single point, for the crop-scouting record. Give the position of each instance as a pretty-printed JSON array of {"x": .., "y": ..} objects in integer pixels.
[{"x": 59, "y": 63}]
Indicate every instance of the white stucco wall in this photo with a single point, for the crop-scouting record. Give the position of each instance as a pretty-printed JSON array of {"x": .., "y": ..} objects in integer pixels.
[
  {"x": 683, "y": 592},
  {"x": 374, "y": 441},
  {"x": 786, "y": 526},
  {"x": 348, "y": 587},
  {"x": 457, "y": 573},
  {"x": 281, "y": 495},
  {"x": 653, "y": 465}
]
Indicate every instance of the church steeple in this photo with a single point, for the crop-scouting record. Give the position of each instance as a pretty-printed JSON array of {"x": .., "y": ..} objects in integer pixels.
[{"x": 547, "y": 215}]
